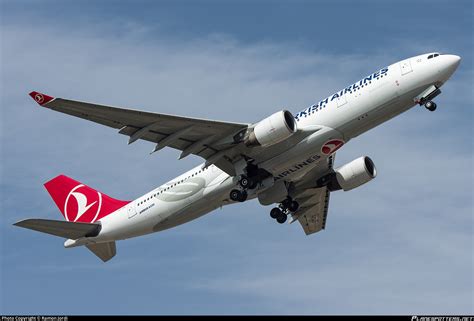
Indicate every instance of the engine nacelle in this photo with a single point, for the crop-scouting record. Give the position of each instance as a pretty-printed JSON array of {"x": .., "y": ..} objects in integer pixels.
[
  {"x": 350, "y": 176},
  {"x": 272, "y": 130},
  {"x": 356, "y": 173}
]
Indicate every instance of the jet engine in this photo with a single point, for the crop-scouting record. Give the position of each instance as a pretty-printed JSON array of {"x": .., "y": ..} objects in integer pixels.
[
  {"x": 272, "y": 130},
  {"x": 350, "y": 175}
]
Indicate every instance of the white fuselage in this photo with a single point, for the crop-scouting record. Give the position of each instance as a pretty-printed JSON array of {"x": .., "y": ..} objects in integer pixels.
[{"x": 343, "y": 115}]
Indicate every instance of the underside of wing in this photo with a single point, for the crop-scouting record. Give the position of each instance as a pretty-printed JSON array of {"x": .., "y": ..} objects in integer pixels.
[
  {"x": 313, "y": 201},
  {"x": 313, "y": 210},
  {"x": 209, "y": 139}
]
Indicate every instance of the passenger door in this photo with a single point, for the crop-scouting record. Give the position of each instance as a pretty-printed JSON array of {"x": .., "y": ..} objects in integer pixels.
[
  {"x": 405, "y": 67},
  {"x": 132, "y": 211}
]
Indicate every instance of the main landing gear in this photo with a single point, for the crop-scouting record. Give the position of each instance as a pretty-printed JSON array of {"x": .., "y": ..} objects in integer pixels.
[
  {"x": 431, "y": 106},
  {"x": 247, "y": 183},
  {"x": 240, "y": 195},
  {"x": 250, "y": 180},
  {"x": 280, "y": 213}
]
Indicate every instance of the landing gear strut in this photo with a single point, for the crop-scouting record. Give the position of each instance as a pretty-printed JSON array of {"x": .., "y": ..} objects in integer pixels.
[{"x": 281, "y": 212}]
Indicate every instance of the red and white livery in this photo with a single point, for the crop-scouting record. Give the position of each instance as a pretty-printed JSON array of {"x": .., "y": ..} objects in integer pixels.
[{"x": 285, "y": 159}]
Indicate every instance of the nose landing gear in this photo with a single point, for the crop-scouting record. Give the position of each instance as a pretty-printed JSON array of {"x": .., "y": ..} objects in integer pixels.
[
  {"x": 281, "y": 212},
  {"x": 431, "y": 106},
  {"x": 427, "y": 96}
]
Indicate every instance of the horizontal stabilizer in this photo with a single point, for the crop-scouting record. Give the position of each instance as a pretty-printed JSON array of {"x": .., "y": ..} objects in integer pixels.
[
  {"x": 69, "y": 230},
  {"x": 105, "y": 251}
]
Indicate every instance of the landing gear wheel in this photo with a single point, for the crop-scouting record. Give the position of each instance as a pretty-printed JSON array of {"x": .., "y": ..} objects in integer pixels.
[
  {"x": 253, "y": 183},
  {"x": 238, "y": 196},
  {"x": 275, "y": 212},
  {"x": 243, "y": 196},
  {"x": 244, "y": 182},
  {"x": 293, "y": 207},
  {"x": 286, "y": 203},
  {"x": 282, "y": 218},
  {"x": 431, "y": 106},
  {"x": 247, "y": 183},
  {"x": 234, "y": 195}
]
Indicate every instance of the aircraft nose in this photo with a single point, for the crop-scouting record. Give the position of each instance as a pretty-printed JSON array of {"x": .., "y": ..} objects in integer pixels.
[
  {"x": 453, "y": 62},
  {"x": 447, "y": 66}
]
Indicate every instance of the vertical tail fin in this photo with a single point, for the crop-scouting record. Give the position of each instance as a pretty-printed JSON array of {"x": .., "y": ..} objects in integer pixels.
[{"x": 80, "y": 203}]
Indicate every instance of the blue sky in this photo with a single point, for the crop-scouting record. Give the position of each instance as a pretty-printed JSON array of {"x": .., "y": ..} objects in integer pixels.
[{"x": 400, "y": 244}]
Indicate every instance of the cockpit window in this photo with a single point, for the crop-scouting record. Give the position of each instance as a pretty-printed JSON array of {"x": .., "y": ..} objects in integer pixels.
[{"x": 433, "y": 55}]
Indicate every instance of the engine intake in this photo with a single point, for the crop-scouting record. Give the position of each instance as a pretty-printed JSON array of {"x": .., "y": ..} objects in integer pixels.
[
  {"x": 272, "y": 130},
  {"x": 350, "y": 175}
]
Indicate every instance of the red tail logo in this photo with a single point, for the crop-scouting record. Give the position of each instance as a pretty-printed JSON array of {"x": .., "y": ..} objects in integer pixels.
[
  {"x": 331, "y": 146},
  {"x": 40, "y": 98},
  {"x": 80, "y": 203}
]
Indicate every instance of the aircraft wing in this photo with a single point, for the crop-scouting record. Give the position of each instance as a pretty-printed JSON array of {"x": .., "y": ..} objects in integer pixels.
[
  {"x": 314, "y": 202},
  {"x": 209, "y": 139}
]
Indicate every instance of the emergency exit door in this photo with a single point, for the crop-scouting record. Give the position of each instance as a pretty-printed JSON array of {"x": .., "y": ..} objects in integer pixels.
[{"x": 405, "y": 67}]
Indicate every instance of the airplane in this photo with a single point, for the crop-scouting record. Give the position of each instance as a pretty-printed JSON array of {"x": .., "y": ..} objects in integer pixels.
[{"x": 284, "y": 159}]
